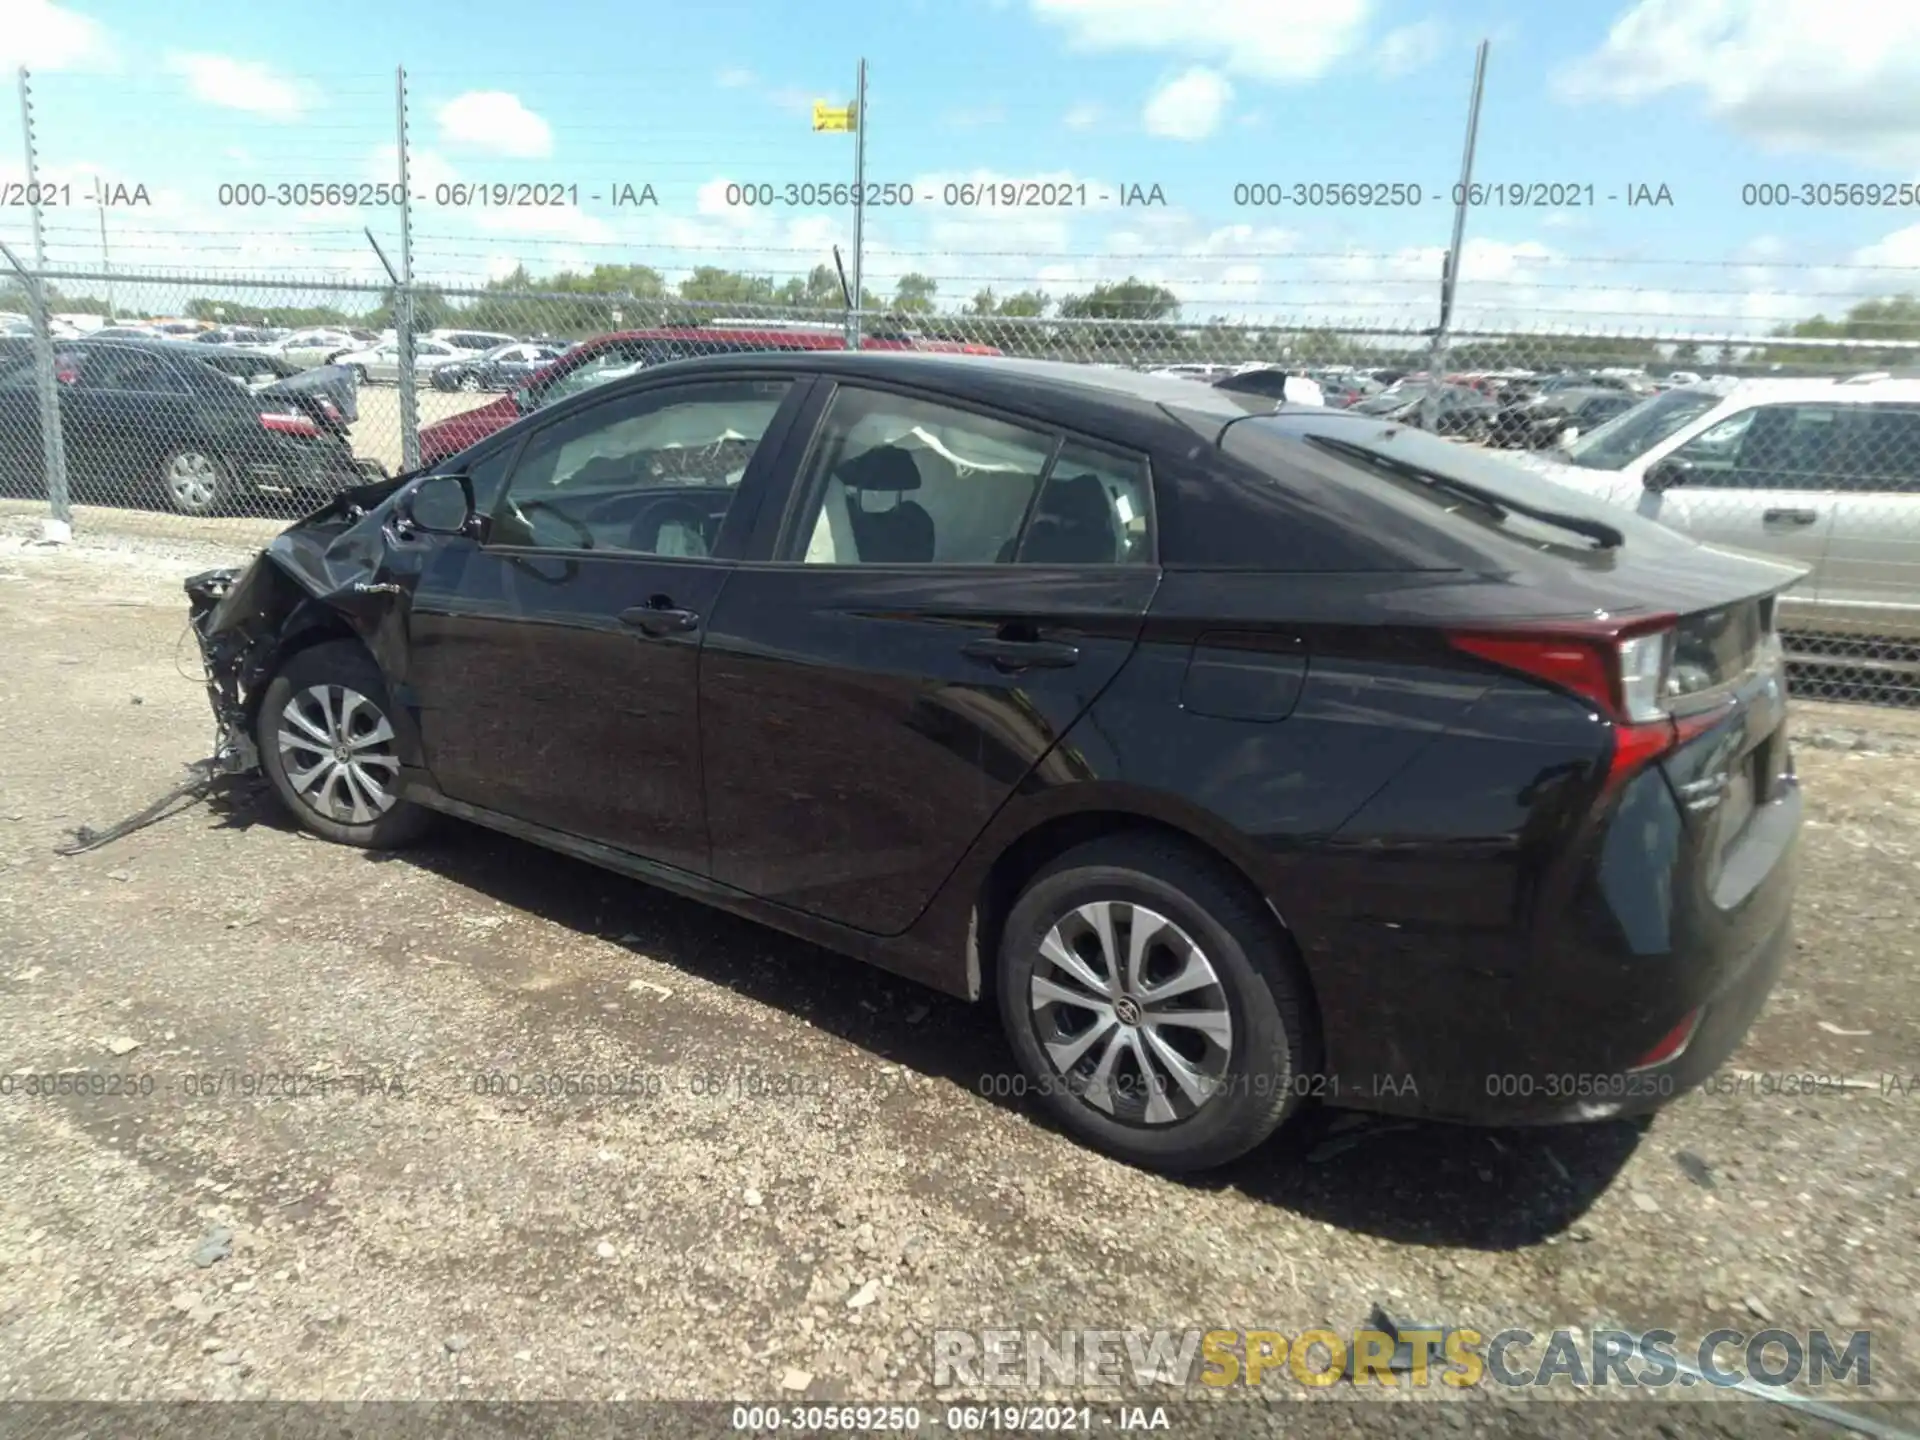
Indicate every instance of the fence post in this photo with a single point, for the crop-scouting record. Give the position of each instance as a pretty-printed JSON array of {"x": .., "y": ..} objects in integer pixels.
[
  {"x": 859, "y": 200},
  {"x": 1450, "y": 274},
  {"x": 403, "y": 306},
  {"x": 57, "y": 528}
]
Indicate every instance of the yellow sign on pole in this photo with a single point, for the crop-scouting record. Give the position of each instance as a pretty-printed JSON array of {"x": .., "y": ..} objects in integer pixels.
[{"x": 840, "y": 118}]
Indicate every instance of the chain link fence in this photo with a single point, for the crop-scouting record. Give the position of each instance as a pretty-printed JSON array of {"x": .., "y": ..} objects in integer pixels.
[{"x": 231, "y": 406}]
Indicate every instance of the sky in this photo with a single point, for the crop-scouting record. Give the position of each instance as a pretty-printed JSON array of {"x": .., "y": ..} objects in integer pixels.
[{"x": 1208, "y": 107}]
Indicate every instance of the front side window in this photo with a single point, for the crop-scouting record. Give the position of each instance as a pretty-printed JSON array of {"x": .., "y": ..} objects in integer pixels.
[
  {"x": 653, "y": 473},
  {"x": 616, "y": 362},
  {"x": 1769, "y": 447}
]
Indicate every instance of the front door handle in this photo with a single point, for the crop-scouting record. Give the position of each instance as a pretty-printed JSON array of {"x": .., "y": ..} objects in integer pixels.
[
  {"x": 1022, "y": 654},
  {"x": 660, "y": 619},
  {"x": 1790, "y": 517}
]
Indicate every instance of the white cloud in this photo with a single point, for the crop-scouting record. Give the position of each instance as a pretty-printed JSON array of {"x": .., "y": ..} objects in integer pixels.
[
  {"x": 1829, "y": 76},
  {"x": 1274, "y": 40},
  {"x": 974, "y": 117},
  {"x": 1188, "y": 107},
  {"x": 1083, "y": 116},
  {"x": 495, "y": 121},
  {"x": 735, "y": 77},
  {"x": 1409, "y": 48},
  {"x": 45, "y": 36},
  {"x": 248, "y": 85}
]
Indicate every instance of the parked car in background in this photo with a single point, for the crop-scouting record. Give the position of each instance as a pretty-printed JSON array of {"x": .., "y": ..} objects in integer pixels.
[
  {"x": 471, "y": 342},
  {"x": 1235, "y": 758},
  {"x": 606, "y": 358},
  {"x": 125, "y": 332},
  {"x": 1544, "y": 420},
  {"x": 152, "y": 422},
  {"x": 1463, "y": 412},
  {"x": 316, "y": 346},
  {"x": 381, "y": 361},
  {"x": 1274, "y": 384},
  {"x": 249, "y": 335},
  {"x": 505, "y": 367},
  {"x": 332, "y": 386},
  {"x": 1821, "y": 472}
]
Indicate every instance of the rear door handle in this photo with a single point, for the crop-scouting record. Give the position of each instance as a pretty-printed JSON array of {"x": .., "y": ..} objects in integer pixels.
[
  {"x": 1022, "y": 654},
  {"x": 1790, "y": 517},
  {"x": 658, "y": 620}
]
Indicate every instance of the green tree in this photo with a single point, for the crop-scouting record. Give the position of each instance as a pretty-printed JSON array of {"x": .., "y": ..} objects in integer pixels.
[
  {"x": 1894, "y": 317},
  {"x": 709, "y": 284},
  {"x": 1025, "y": 304},
  {"x": 914, "y": 294},
  {"x": 1129, "y": 299}
]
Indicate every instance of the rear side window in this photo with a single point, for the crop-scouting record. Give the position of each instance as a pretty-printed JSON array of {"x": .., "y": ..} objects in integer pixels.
[{"x": 1880, "y": 449}]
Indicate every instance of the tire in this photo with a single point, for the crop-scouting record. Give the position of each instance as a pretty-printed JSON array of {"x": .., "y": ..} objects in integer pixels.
[
  {"x": 314, "y": 687},
  {"x": 196, "y": 481},
  {"x": 1246, "y": 1088},
  {"x": 469, "y": 381},
  {"x": 359, "y": 374}
]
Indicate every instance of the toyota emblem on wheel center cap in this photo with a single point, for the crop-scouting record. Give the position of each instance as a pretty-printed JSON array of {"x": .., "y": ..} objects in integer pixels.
[{"x": 1127, "y": 1010}]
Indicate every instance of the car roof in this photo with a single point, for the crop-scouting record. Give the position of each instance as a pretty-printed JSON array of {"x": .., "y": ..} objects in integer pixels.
[
  {"x": 1003, "y": 381},
  {"x": 1851, "y": 389}
]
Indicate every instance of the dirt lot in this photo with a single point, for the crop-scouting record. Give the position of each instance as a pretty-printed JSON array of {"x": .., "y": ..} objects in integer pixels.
[{"x": 802, "y": 1174}]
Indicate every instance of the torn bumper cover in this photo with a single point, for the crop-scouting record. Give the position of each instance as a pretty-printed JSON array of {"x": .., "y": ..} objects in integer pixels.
[
  {"x": 315, "y": 574},
  {"x": 222, "y": 656}
]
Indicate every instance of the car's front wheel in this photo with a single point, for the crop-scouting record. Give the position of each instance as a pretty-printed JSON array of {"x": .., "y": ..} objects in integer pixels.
[
  {"x": 1151, "y": 1004},
  {"x": 326, "y": 741},
  {"x": 469, "y": 381}
]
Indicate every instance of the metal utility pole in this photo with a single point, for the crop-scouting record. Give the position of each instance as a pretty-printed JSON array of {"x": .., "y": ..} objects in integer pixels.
[
  {"x": 106, "y": 260},
  {"x": 403, "y": 308},
  {"x": 1450, "y": 270},
  {"x": 58, "y": 526},
  {"x": 859, "y": 199}
]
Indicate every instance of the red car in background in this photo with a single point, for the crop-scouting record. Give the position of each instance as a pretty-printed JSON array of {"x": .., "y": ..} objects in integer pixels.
[{"x": 610, "y": 357}]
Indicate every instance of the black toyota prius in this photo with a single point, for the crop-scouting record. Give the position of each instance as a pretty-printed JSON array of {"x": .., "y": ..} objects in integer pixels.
[{"x": 1241, "y": 759}]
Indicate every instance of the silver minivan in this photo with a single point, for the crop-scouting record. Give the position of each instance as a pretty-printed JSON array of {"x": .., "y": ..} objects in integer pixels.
[{"x": 1823, "y": 472}]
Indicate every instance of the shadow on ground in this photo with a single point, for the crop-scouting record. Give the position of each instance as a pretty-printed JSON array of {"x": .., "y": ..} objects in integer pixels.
[{"x": 1409, "y": 1181}]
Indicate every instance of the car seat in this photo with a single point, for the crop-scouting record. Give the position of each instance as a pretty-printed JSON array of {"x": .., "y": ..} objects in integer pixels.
[{"x": 900, "y": 533}]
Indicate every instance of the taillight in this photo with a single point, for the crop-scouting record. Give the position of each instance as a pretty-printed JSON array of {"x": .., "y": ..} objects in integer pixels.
[
  {"x": 1620, "y": 668},
  {"x": 288, "y": 422}
]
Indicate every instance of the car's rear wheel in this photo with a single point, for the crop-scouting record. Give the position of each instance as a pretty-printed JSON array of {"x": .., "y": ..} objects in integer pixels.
[
  {"x": 326, "y": 741},
  {"x": 196, "y": 481},
  {"x": 1151, "y": 1004},
  {"x": 359, "y": 374}
]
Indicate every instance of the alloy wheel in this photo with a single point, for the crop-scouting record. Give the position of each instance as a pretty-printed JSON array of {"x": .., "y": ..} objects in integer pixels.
[
  {"x": 469, "y": 381},
  {"x": 1131, "y": 1013},
  {"x": 336, "y": 747},
  {"x": 192, "y": 481}
]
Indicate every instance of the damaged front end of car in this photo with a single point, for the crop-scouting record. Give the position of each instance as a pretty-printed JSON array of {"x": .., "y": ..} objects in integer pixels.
[{"x": 331, "y": 574}]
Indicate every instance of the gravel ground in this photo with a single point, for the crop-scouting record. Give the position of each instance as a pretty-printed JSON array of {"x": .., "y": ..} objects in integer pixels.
[{"x": 802, "y": 1171}]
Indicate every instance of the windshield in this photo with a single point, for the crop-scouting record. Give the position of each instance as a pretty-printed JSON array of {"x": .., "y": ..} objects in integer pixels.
[{"x": 1629, "y": 435}]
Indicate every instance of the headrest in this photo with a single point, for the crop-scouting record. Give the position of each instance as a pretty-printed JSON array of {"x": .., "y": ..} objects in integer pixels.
[{"x": 885, "y": 467}]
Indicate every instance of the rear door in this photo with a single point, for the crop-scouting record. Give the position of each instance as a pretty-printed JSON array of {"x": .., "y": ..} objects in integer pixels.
[
  {"x": 1763, "y": 480},
  {"x": 949, "y": 591},
  {"x": 1870, "y": 583}
]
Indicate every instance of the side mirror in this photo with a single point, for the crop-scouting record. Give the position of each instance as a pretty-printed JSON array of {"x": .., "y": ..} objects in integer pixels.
[
  {"x": 1665, "y": 474},
  {"x": 1570, "y": 434},
  {"x": 440, "y": 505}
]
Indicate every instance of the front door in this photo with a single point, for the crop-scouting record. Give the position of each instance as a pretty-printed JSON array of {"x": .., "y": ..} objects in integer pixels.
[
  {"x": 952, "y": 592},
  {"x": 555, "y": 665},
  {"x": 1761, "y": 481}
]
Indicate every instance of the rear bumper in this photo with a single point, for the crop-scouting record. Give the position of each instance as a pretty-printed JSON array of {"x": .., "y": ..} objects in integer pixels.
[
  {"x": 321, "y": 468},
  {"x": 1459, "y": 986}
]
